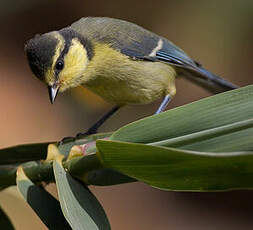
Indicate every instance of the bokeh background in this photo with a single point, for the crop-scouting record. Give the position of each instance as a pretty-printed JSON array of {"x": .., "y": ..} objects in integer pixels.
[{"x": 217, "y": 33}]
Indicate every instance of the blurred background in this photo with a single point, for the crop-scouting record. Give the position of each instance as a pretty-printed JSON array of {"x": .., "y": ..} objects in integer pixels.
[{"x": 216, "y": 33}]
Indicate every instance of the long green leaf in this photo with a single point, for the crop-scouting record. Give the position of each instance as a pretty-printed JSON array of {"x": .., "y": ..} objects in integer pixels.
[
  {"x": 237, "y": 136},
  {"x": 174, "y": 169},
  {"x": 80, "y": 207},
  {"x": 44, "y": 204},
  {"x": 5, "y": 222},
  {"x": 212, "y": 112}
]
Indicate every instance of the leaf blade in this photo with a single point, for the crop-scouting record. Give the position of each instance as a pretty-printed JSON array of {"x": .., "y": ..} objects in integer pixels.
[
  {"x": 215, "y": 138},
  {"x": 80, "y": 207},
  {"x": 222, "y": 109},
  {"x": 44, "y": 204},
  {"x": 179, "y": 170}
]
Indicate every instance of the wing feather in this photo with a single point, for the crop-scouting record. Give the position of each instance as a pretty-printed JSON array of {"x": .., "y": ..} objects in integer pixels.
[{"x": 141, "y": 44}]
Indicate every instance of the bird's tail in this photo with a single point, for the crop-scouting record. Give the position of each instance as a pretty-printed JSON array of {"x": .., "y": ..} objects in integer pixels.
[{"x": 208, "y": 80}]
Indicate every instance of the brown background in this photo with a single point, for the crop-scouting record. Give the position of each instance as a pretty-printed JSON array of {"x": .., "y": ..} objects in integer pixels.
[{"x": 217, "y": 33}]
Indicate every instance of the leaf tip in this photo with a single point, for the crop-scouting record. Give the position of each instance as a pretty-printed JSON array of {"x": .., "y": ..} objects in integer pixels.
[
  {"x": 21, "y": 174},
  {"x": 53, "y": 153}
]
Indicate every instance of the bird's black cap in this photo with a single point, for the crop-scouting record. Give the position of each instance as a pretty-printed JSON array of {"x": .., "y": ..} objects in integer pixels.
[{"x": 40, "y": 51}]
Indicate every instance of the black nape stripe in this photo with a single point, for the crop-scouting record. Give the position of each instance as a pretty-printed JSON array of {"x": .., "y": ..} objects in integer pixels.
[{"x": 68, "y": 34}]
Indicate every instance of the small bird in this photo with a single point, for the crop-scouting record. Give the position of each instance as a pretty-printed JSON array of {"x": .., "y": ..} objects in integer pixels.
[{"x": 118, "y": 60}]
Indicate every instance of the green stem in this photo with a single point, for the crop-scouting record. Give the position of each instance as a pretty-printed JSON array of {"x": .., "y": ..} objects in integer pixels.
[
  {"x": 43, "y": 171},
  {"x": 81, "y": 165},
  {"x": 36, "y": 171},
  {"x": 23, "y": 153},
  {"x": 87, "y": 168}
]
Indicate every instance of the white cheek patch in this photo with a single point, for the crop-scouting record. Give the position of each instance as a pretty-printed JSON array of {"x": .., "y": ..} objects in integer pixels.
[{"x": 157, "y": 48}]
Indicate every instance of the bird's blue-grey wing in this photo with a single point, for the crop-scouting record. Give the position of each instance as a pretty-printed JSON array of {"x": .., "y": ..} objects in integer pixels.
[{"x": 141, "y": 44}]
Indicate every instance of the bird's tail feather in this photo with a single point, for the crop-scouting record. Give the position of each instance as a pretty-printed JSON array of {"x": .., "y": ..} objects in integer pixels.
[{"x": 208, "y": 80}]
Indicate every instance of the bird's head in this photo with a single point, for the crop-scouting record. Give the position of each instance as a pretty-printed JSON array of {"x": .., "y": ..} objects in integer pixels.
[{"x": 59, "y": 59}]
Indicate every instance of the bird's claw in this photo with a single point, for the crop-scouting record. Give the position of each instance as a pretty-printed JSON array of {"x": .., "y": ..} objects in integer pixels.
[
  {"x": 66, "y": 139},
  {"x": 81, "y": 135},
  {"x": 77, "y": 137}
]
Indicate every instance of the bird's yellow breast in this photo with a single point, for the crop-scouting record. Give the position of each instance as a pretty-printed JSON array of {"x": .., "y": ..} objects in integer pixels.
[{"x": 122, "y": 80}]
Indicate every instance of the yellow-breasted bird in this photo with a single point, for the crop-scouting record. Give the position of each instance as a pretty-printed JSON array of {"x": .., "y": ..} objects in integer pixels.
[{"x": 118, "y": 60}]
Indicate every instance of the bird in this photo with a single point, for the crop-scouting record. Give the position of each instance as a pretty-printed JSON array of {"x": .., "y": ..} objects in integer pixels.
[{"x": 120, "y": 61}]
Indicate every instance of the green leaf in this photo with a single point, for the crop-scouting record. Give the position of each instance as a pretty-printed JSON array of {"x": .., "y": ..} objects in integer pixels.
[
  {"x": 209, "y": 113},
  {"x": 5, "y": 222},
  {"x": 80, "y": 207},
  {"x": 23, "y": 153},
  {"x": 227, "y": 138},
  {"x": 180, "y": 170},
  {"x": 44, "y": 204}
]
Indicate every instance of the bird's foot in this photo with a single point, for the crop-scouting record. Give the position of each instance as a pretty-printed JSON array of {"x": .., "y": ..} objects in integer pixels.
[
  {"x": 82, "y": 135},
  {"x": 77, "y": 137},
  {"x": 66, "y": 140}
]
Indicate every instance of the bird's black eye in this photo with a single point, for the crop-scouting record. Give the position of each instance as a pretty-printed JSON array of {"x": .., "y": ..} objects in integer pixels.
[{"x": 59, "y": 65}]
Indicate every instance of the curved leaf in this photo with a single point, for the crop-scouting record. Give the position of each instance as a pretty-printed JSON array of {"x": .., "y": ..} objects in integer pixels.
[
  {"x": 80, "y": 207},
  {"x": 174, "y": 169},
  {"x": 219, "y": 110},
  {"x": 43, "y": 203},
  {"x": 227, "y": 138}
]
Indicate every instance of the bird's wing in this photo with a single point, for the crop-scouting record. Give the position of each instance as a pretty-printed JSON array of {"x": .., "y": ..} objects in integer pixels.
[
  {"x": 131, "y": 40},
  {"x": 167, "y": 52},
  {"x": 141, "y": 44}
]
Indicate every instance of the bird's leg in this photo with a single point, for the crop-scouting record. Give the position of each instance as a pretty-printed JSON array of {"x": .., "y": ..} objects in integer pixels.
[
  {"x": 163, "y": 105},
  {"x": 93, "y": 129}
]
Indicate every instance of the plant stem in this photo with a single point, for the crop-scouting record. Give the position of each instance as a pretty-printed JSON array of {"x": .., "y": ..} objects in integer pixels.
[{"x": 87, "y": 168}]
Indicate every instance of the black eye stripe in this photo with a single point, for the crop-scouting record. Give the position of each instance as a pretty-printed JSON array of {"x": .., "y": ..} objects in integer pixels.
[
  {"x": 62, "y": 55},
  {"x": 68, "y": 34}
]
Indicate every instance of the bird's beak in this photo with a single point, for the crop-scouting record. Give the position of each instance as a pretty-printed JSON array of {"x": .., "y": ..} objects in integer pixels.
[{"x": 53, "y": 91}]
